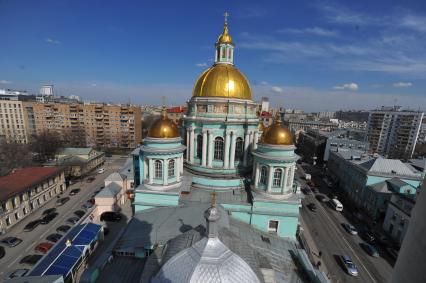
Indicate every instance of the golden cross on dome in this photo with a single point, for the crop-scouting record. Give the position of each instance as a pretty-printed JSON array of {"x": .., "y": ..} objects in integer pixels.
[
  {"x": 226, "y": 15},
  {"x": 214, "y": 194}
]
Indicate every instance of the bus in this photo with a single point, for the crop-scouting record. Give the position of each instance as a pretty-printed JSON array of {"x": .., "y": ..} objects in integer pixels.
[{"x": 337, "y": 205}]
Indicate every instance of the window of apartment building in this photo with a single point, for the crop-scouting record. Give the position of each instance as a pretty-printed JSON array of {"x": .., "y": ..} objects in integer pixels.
[
  {"x": 25, "y": 210},
  {"x": 17, "y": 215},
  {"x": 8, "y": 221},
  {"x": 273, "y": 226}
]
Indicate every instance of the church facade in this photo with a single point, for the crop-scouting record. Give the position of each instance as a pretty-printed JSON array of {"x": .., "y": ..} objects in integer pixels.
[{"x": 221, "y": 147}]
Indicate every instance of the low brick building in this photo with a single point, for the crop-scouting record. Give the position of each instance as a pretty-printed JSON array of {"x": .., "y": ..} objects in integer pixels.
[{"x": 26, "y": 190}]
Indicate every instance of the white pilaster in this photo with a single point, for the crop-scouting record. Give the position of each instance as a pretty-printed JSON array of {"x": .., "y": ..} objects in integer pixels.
[
  {"x": 177, "y": 169},
  {"x": 256, "y": 176},
  {"x": 151, "y": 171},
  {"x": 246, "y": 147},
  {"x": 292, "y": 176},
  {"x": 256, "y": 139},
  {"x": 165, "y": 172},
  {"x": 187, "y": 144},
  {"x": 204, "y": 152},
  {"x": 227, "y": 142},
  {"x": 270, "y": 176},
  {"x": 232, "y": 159},
  {"x": 210, "y": 149},
  {"x": 284, "y": 184},
  {"x": 192, "y": 146},
  {"x": 145, "y": 169}
]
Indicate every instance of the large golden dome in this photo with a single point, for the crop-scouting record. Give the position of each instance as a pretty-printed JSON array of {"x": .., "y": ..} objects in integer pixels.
[
  {"x": 163, "y": 127},
  {"x": 222, "y": 80},
  {"x": 277, "y": 134}
]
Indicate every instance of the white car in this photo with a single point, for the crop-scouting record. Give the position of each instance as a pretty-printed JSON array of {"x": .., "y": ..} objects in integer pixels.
[{"x": 102, "y": 170}]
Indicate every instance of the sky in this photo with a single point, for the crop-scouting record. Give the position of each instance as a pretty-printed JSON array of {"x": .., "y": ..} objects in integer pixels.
[{"x": 310, "y": 55}]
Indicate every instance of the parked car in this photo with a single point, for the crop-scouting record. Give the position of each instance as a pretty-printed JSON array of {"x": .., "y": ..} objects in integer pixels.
[
  {"x": 73, "y": 220},
  {"x": 2, "y": 252},
  {"x": 307, "y": 191},
  {"x": 43, "y": 247},
  {"x": 350, "y": 228},
  {"x": 46, "y": 219},
  {"x": 74, "y": 192},
  {"x": 315, "y": 190},
  {"x": 111, "y": 216},
  {"x": 368, "y": 236},
  {"x": 63, "y": 228},
  {"x": 312, "y": 206},
  {"x": 102, "y": 170},
  {"x": 87, "y": 205},
  {"x": 92, "y": 201},
  {"x": 79, "y": 213},
  {"x": 18, "y": 273},
  {"x": 321, "y": 198},
  {"x": 90, "y": 179},
  {"x": 49, "y": 211},
  {"x": 11, "y": 241},
  {"x": 381, "y": 239},
  {"x": 370, "y": 249},
  {"x": 349, "y": 266},
  {"x": 54, "y": 237},
  {"x": 32, "y": 225},
  {"x": 62, "y": 201},
  {"x": 30, "y": 259}
]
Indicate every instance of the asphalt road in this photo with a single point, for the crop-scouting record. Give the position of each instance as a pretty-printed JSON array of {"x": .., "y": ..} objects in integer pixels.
[
  {"x": 332, "y": 240},
  {"x": 10, "y": 262}
]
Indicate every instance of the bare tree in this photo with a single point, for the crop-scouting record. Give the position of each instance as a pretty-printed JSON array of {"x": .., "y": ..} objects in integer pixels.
[
  {"x": 45, "y": 145},
  {"x": 13, "y": 156}
]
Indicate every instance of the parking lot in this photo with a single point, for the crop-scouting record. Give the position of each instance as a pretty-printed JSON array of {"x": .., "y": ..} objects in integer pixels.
[{"x": 57, "y": 221}]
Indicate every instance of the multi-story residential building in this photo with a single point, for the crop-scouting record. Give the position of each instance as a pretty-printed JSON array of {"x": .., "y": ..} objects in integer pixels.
[
  {"x": 369, "y": 182},
  {"x": 398, "y": 216},
  {"x": 326, "y": 114},
  {"x": 297, "y": 125},
  {"x": 93, "y": 124},
  {"x": 176, "y": 113},
  {"x": 25, "y": 190},
  {"x": 392, "y": 132},
  {"x": 16, "y": 117}
]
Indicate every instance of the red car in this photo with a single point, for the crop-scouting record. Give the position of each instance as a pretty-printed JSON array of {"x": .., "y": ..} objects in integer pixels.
[{"x": 43, "y": 247}]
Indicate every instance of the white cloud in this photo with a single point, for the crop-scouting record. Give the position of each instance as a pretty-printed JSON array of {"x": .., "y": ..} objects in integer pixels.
[
  {"x": 264, "y": 83},
  {"x": 402, "y": 84},
  {"x": 314, "y": 30},
  {"x": 52, "y": 41},
  {"x": 204, "y": 64},
  {"x": 5, "y": 82},
  {"x": 93, "y": 84},
  {"x": 277, "y": 89},
  {"x": 348, "y": 86}
]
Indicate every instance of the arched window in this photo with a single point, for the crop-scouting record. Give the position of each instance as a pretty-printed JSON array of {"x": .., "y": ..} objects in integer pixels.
[
  {"x": 199, "y": 146},
  {"x": 171, "y": 168},
  {"x": 158, "y": 174},
  {"x": 218, "y": 148},
  {"x": 239, "y": 149},
  {"x": 263, "y": 175},
  {"x": 277, "y": 177}
]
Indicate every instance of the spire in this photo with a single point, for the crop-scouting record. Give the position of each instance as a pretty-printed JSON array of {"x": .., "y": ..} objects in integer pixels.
[
  {"x": 164, "y": 110},
  {"x": 212, "y": 215}
]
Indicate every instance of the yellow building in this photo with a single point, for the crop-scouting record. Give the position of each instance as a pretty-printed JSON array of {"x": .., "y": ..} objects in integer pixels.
[
  {"x": 94, "y": 125},
  {"x": 14, "y": 120}
]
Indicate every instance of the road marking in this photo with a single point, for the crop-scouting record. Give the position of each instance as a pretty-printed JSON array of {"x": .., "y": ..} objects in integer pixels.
[
  {"x": 347, "y": 243},
  {"x": 29, "y": 247},
  {"x": 12, "y": 263}
]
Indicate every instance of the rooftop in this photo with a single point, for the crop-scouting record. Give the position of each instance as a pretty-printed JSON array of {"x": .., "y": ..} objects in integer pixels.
[
  {"x": 75, "y": 151},
  {"x": 25, "y": 178}
]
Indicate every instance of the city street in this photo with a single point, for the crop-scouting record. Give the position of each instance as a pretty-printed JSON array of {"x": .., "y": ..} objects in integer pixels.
[
  {"x": 333, "y": 241},
  {"x": 10, "y": 262}
]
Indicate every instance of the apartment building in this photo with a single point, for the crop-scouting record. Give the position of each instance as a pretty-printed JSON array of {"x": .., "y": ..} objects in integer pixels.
[
  {"x": 393, "y": 132},
  {"x": 93, "y": 124},
  {"x": 25, "y": 190}
]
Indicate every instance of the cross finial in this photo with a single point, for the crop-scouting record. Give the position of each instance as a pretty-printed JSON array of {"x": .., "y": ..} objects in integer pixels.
[
  {"x": 163, "y": 99},
  {"x": 213, "y": 199},
  {"x": 226, "y": 15}
]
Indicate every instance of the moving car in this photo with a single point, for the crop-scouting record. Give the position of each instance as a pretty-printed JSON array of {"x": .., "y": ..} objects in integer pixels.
[
  {"x": 63, "y": 228},
  {"x": 74, "y": 192},
  {"x": 312, "y": 206},
  {"x": 11, "y": 241},
  {"x": 49, "y": 211},
  {"x": 32, "y": 225},
  {"x": 102, "y": 170},
  {"x": 46, "y": 219},
  {"x": 350, "y": 228},
  {"x": 111, "y": 216},
  {"x": 54, "y": 237},
  {"x": 43, "y": 247},
  {"x": 79, "y": 213},
  {"x": 30, "y": 259},
  {"x": 73, "y": 220},
  {"x": 370, "y": 249},
  {"x": 2, "y": 252},
  {"x": 18, "y": 273},
  {"x": 349, "y": 266},
  {"x": 62, "y": 201},
  {"x": 337, "y": 205}
]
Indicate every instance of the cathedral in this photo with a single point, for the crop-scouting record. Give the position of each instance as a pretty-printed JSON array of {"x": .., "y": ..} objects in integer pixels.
[{"x": 221, "y": 148}]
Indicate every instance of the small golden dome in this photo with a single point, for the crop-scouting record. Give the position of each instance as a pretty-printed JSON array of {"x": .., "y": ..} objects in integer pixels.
[
  {"x": 225, "y": 37},
  {"x": 163, "y": 127},
  {"x": 222, "y": 80},
  {"x": 277, "y": 134}
]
